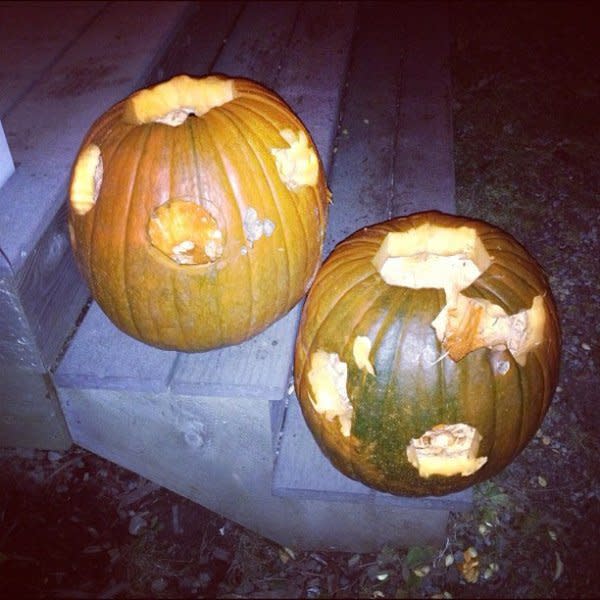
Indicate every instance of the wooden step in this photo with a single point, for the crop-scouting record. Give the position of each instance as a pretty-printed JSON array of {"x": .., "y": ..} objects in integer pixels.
[
  {"x": 206, "y": 425},
  {"x": 62, "y": 65}
]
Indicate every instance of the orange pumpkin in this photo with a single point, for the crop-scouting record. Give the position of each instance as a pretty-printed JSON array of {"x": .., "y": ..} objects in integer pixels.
[
  {"x": 427, "y": 353},
  {"x": 197, "y": 212}
]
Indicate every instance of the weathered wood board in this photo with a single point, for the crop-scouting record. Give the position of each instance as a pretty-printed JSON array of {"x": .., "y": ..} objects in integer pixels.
[
  {"x": 206, "y": 425},
  {"x": 7, "y": 166},
  {"x": 63, "y": 64}
]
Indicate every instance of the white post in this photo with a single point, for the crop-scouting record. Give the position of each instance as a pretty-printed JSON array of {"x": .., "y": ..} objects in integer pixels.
[{"x": 7, "y": 166}]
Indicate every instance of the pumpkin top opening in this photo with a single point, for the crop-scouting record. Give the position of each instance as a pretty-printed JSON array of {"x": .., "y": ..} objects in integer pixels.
[
  {"x": 446, "y": 450},
  {"x": 186, "y": 232},
  {"x": 87, "y": 179},
  {"x": 432, "y": 256},
  {"x": 171, "y": 102}
]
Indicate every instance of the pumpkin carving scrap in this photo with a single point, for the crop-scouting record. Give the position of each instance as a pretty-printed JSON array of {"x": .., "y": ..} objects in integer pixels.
[
  {"x": 197, "y": 212},
  {"x": 427, "y": 353}
]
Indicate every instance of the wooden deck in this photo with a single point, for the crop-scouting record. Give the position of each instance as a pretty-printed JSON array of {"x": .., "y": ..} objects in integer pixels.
[{"x": 222, "y": 428}]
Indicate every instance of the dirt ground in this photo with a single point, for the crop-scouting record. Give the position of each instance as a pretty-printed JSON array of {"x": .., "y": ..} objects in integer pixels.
[{"x": 527, "y": 142}]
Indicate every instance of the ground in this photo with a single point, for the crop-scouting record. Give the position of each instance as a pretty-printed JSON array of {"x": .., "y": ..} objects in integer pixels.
[{"x": 526, "y": 97}]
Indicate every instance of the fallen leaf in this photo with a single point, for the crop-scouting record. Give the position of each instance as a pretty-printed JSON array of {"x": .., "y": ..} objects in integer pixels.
[
  {"x": 422, "y": 571},
  {"x": 559, "y": 568},
  {"x": 469, "y": 568},
  {"x": 354, "y": 560}
]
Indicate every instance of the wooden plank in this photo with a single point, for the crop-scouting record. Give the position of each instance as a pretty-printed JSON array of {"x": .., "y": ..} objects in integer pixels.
[
  {"x": 255, "y": 48},
  {"x": 106, "y": 357},
  {"x": 313, "y": 477},
  {"x": 33, "y": 35},
  {"x": 35, "y": 242},
  {"x": 394, "y": 154},
  {"x": 17, "y": 345},
  {"x": 424, "y": 176},
  {"x": 7, "y": 166},
  {"x": 362, "y": 177},
  {"x": 51, "y": 290},
  {"x": 219, "y": 454},
  {"x": 198, "y": 44},
  {"x": 396, "y": 136},
  {"x": 311, "y": 78},
  {"x": 259, "y": 368},
  {"x": 318, "y": 34},
  {"x": 45, "y": 128},
  {"x": 30, "y": 414}
]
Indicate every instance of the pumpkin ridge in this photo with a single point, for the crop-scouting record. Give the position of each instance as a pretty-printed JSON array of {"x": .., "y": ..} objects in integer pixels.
[
  {"x": 517, "y": 265},
  {"x": 342, "y": 293},
  {"x": 401, "y": 302},
  {"x": 294, "y": 201},
  {"x": 524, "y": 396},
  {"x": 270, "y": 103},
  {"x": 173, "y": 275},
  {"x": 91, "y": 247},
  {"x": 346, "y": 350},
  {"x": 503, "y": 294},
  {"x": 204, "y": 131},
  {"x": 496, "y": 432},
  {"x": 226, "y": 182},
  {"x": 273, "y": 201},
  {"x": 546, "y": 387},
  {"x": 120, "y": 297},
  {"x": 315, "y": 344},
  {"x": 126, "y": 248},
  {"x": 322, "y": 204},
  {"x": 515, "y": 258}
]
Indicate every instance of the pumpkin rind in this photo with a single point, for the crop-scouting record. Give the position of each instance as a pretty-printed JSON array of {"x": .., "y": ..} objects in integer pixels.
[
  {"x": 416, "y": 386},
  {"x": 222, "y": 161}
]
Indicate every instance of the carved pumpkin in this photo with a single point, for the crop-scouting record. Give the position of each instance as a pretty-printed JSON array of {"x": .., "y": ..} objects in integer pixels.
[
  {"x": 427, "y": 353},
  {"x": 197, "y": 212}
]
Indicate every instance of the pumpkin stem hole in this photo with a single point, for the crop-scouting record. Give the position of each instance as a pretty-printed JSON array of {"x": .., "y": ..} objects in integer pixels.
[
  {"x": 171, "y": 102},
  {"x": 186, "y": 232},
  {"x": 432, "y": 256}
]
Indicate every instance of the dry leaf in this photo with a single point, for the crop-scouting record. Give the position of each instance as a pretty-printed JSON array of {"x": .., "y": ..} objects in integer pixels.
[
  {"x": 285, "y": 554},
  {"x": 559, "y": 568},
  {"x": 422, "y": 571},
  {"x": 469, "y": 568}
]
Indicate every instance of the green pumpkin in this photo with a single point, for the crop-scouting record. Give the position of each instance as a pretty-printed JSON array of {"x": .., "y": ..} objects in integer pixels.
[{"x": 426, "y": 359}]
